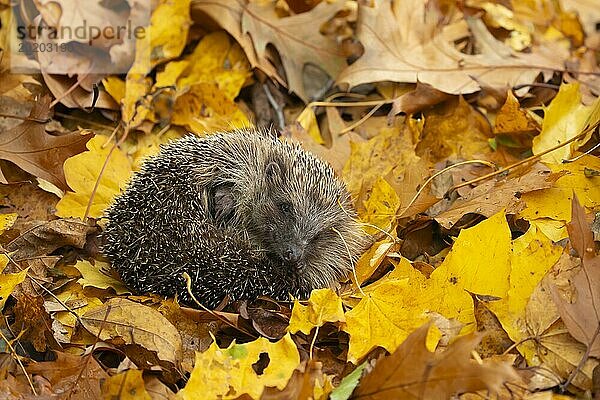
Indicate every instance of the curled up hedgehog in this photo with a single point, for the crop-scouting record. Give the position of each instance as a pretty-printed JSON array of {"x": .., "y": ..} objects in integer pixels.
[{"x": 243, "y": 213}]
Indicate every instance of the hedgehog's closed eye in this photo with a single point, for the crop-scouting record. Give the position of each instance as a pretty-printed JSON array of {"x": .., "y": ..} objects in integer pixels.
[{"x": 286, "y": 207}]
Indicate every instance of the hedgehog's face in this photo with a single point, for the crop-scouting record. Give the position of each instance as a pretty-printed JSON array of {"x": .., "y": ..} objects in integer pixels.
[{"x": 304, "y": 226}]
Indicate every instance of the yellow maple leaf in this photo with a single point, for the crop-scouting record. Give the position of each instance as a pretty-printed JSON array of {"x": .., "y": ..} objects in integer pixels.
[
  {"x": 532, "y": 255},
  {"x": 389, "y": 312},
  {"x": 218, "y": 60},
  {"x": 204, "y": 108},
  {"x": 8, "y": 282},
  {"x": 82, "y": 172},
  {"x": 564, "y": 119},
  {"x": 94, "y": 277},
  {"x": 555, "y": 202},
  {"x": 207, "y": 82},
  {"x": 381, "y": 207},
  {"x": 391, "y": 148},
  {"x": 323, "y": 306},
  {"x": 396, "y": 305},
  {"x": 229, "y": 373}
]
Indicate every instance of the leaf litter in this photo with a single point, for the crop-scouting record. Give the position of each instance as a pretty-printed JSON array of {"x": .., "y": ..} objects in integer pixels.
[{"x": 465, "y": 131}]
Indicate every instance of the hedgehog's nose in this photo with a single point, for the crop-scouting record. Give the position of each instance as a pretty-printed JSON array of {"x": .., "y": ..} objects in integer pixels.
[{"x": 291, "y": 254}]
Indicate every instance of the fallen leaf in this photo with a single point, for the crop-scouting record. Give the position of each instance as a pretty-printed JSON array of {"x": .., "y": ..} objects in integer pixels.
[
  {"x": 297, "y": 37},
  {"x": 531, "y": 257},
  {"x": 380, "y": 208},
  {"x": 394, "y": 306},
  {"x": 30, "y": 147},
  {"x": 555, "y": 202},
  {"x": 582, "y": 315},
  {"x": 45, "y": 237},
  {"x": 298, "y": 40},
  {"x": 229, "y": 373},
  {"x": 348, "y": 384},
  {"x": 565, "y": 118},
  {"x": 390, "y": 148},
  {"x": 127, "y": 385},
  {"x": 323, "y": 306},
  {"x": 454, "y": 130},
  {"x": 307, "y": 382},
  {"x": 515, "y": 122},
  {"x": 133, "y": 323},
  {"x": 81, "y": 377},
  {"x": 6, "y": 221},
  {"x": 412, "y": 372},
  {"x": 8, "y": 282},
  {"x": 82, "y": 174},
  {"x": 404, "y": 43},
  {"x": 490, "y": 197},
  {"x": 94, "y": 276}
]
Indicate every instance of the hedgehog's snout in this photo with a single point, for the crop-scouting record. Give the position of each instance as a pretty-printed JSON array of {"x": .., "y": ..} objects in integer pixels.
[{"x": 292, "y": 253}]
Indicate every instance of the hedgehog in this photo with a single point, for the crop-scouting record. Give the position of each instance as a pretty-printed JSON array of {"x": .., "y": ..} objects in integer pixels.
[{"x": 244, "y": 213}]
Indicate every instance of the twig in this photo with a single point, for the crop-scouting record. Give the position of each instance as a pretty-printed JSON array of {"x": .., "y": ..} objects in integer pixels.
[
  {"x": 97, "y": 183},
  {"x": 312, "y": 344},
  {"x": 362, "y": 120},
  {"x": 527, "y": 160},
  {"x": 41, "y": 121},
  {"x": 276, "y": 106},
  {"x": 188, "y": 285},
  {"x": 12, "y": 350}
]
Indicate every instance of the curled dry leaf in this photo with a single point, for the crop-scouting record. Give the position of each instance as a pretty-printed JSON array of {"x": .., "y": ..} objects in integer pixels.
[
  {"x": 46, "y": 237},
  {"x": 412, "y": 372}
]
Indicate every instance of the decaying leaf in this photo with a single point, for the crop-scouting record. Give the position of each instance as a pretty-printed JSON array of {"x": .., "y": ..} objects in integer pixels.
[{"x": 82, "y": 377}]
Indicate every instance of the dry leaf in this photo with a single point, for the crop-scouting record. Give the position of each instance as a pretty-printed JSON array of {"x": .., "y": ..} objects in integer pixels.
[
  {"x": 404, "y": 43},
  {"x": 582, "y": 315},
  {"x": 46, "y": 237},
  {"x": 81, "y": 377},
  {"x": 412, "y": 372},
  {"x": 133, "y": 323},
  {"x": 35, "y": 151}
]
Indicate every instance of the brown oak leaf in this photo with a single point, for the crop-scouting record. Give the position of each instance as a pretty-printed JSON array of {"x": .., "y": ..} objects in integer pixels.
[
  {"x": 412, "y": 372},
  {"x": 31, "y": 148}
]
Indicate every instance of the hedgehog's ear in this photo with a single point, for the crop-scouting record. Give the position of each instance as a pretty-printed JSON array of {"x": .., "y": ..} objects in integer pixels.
[
  {"x": 273, "y": 172},
  {"x": 222, "y": 202}
]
